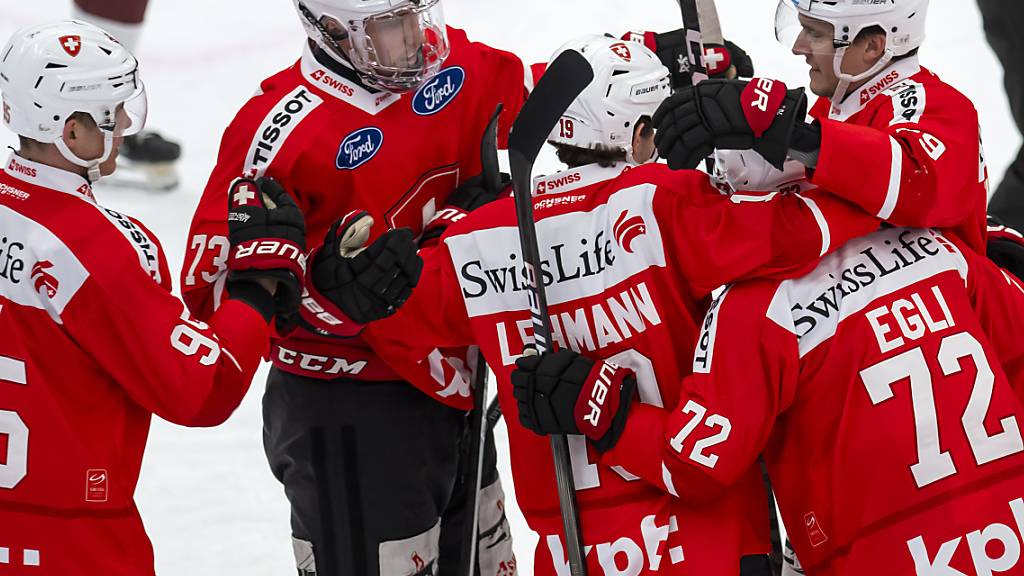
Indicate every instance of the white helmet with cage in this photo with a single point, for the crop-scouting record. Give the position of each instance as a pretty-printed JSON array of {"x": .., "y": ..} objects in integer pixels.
[
  {"x": 629, "y": 83},
  {"x": 396, "y": 45},
  {"x": 50, "y": 72},
  {"x": 902, "y": 20}
]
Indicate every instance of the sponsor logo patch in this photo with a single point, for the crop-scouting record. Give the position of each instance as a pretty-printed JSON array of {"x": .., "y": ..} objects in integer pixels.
[
  {"x": 42, "y": 280},
  {"x": 878, "y": 87},
  {"x": 359, "y": 147},
  {"x": 439, "y": 91},
  {"x": 628, "y": 228},
  {"x": 96, "y": 485}
]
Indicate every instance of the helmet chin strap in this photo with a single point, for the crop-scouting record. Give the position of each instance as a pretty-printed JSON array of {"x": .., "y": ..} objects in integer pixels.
[
  {"x": 846, "y": 80},
  {"x": 93, "y": 166}
]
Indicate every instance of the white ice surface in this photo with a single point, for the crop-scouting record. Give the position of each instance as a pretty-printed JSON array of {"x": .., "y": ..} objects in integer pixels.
[{"x": 207, "y": 496}]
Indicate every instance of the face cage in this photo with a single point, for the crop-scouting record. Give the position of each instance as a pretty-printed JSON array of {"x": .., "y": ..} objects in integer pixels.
[
  {"x": 124, "y": 119},
  {"x": 789, "y": 30},
  {"x": 428, "y": 51}
]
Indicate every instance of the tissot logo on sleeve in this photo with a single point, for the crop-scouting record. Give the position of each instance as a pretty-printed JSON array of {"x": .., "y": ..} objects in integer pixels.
[
  {"x": 439, "y": 91},
  {"x": 359, "y": 147}
]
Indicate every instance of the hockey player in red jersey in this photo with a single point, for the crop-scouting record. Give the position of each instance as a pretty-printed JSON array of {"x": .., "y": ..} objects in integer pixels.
[
  {"x": 880, "y": 390},
  {"x": 886, "y": 134},
  {"x": 631, "y": 253},
  {"x": 382, "y": 113},
  {"x": 93, "y": 341}
]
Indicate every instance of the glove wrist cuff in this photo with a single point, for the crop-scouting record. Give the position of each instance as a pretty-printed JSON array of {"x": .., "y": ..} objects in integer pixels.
[
  {"x": 254, "y": 295},
  {"x": 268, "y": 254},
  {"x": 323, "y": 315}
]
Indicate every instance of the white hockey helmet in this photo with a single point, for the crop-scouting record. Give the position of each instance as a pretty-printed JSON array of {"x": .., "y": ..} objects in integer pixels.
[
  {"x": 51, "y": 71},
  {"x": 747, "y": 171},
  {"x": 396, "y": 45},
  {"x": 902, "y": 20},
  {"x": 629, "y": 82}
]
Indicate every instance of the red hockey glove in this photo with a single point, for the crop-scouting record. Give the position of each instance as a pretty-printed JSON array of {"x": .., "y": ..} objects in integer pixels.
[
  {"x": 355, "y": 284},
  {"x": 268, "y": 243},
  {"x": 1006, "y": 247},
  {"x": 469, "y": 196},
  {"x": 729, "y": 115},
  {"x": 567, "y": 393},
  {"x": 671, "y": 50}
]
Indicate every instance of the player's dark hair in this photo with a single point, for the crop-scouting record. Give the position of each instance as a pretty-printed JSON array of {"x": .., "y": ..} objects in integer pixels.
[{"x": 604, "y": 156}]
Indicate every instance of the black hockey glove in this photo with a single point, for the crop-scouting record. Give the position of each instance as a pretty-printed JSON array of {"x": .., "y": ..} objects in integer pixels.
[
  {"x": 268, "y": 243},
  {"x": 671, "y": 50},
  {"x": 365, "y": 283},
  {"x": 729, "y": 115},
  {"x": 566, "y": 393},
  {"x": 1006, "y": 247},
  {"x": 469, "y": 196}
]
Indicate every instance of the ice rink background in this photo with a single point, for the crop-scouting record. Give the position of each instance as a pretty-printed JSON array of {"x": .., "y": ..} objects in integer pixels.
[{"x": 207, "y": 497}]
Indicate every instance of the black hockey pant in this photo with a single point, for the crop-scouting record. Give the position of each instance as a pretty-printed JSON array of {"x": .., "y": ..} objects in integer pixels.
[{"x": 373, "y": 472}]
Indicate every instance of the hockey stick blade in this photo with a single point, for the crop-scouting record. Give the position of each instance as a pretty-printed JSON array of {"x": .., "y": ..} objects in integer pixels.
[
  {"x": 561, "y": 83},
  {"x": 489, "y": 169}
]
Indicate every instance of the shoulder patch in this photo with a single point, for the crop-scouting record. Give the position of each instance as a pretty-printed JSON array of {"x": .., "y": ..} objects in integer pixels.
[
  {"x": 705, "y": 350},
  {"x": 359, "y": 147},
  {"x": 908, "y": 102},
  {"x": 439, "y": 91},
  {"x": 144, "y": 246},
  {"x": 276, "y": 127}
]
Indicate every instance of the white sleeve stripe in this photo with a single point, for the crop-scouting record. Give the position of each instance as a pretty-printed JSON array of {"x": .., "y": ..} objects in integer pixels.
[
  {"x": 528, "y": 80},
  {"x": 892, "y": 195},
  {"x": 819, "y": 217},
  {"x": 666, "y": 477},
  {"x": 12, "y": 370},
  {"x": 219, "y": 286}
]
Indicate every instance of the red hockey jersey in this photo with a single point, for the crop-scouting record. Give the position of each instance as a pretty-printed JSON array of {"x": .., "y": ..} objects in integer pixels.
[
  {"x": 93, "y": 344},
  {"x": 338, "y": 147},
  {"x": 628, "y": 260},
  {"x": 880, "y": 390},
  {"x": 907, "y": 147}
]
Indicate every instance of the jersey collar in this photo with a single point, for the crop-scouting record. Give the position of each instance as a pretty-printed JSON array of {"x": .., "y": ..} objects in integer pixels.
[
  {"x": 576, "y": 178},
  {"x": 47, "y": 177},
  {"x": 887, "y": 78},
  {"x": 333, "y": 84}
]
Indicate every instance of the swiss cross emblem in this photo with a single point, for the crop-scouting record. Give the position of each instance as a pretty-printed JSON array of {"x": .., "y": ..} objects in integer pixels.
[
  {"x": 622, "y": 51},
  {"x": 243, "y": 194},
  {"x": 71, "y": 44}
]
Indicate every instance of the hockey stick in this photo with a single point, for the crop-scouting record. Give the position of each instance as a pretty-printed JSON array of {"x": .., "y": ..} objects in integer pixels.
[
  {"x": 694, "y": 40},
  {"x": 563, "y": 81},
  {"x": 493, "y": 414},
  {"x": 478, "y": 428}
]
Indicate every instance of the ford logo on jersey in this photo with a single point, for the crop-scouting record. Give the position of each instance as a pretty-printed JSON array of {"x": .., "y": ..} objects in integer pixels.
[
  {"x": 359, "y": 147},
  {"x": 439, "y": 91}
]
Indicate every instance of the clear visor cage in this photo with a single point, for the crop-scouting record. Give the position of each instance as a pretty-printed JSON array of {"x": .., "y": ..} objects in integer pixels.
[
  {"x": 396, "y": 50},
  {"x": 117, "y": 104},
  {"x": 816, "y": 35}
]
